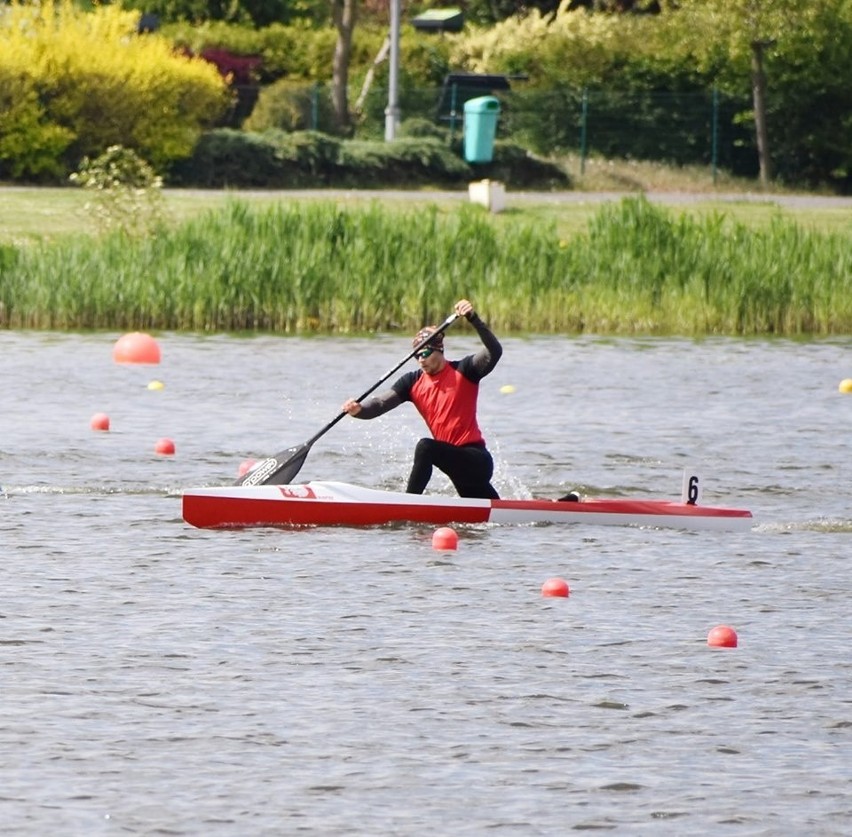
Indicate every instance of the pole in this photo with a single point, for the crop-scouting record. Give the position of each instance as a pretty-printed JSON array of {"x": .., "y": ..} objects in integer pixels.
[
  {"x": 584, "y": 119},
  {"x": 392, "y": 110}
]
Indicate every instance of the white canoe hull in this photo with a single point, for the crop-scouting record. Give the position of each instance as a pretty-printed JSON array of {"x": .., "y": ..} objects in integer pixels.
[{"x": 341, "y": 504}]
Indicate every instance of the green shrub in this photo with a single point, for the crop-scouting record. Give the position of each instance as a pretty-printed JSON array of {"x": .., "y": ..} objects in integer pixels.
[
  {"x": 227, "y": 158},
  {"x": 290, "y": 106},
  {"x": 406, "y": 161},
  {"x": 278, "y": 159},
  {"x": 312, "y": 153},
  {"x": 419, "y": 127}
]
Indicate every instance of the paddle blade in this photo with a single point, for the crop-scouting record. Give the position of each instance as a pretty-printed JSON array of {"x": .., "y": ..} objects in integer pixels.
[{"x": 280, "y": 469}]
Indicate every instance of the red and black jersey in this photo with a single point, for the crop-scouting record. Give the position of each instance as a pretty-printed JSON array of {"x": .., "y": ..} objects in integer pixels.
[{"x": 447, "y": 401}]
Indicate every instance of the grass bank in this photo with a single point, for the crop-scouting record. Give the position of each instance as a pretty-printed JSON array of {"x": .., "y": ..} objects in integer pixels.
[
  {"x": 315, "y": 266},
  {"x": 29, "y": 214}
]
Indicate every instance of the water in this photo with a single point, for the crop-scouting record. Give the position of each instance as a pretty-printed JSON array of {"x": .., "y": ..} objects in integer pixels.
[{"x": 159, "y": 679}]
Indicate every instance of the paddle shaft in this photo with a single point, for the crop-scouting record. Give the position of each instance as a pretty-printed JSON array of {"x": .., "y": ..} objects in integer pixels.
[
  {"x": 284, "y": 466},
  {"x": 342, "y": 414}
]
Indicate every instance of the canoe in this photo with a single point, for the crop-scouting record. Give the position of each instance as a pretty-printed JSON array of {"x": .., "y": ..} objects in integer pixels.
[{"x": 342, "y": 504}]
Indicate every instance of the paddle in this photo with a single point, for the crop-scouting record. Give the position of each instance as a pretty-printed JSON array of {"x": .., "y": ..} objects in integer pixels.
[{"x": 283, "y": 467}]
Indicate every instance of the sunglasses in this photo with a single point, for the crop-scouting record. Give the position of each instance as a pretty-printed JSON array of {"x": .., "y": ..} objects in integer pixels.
[{"x": 423, "y": 354}]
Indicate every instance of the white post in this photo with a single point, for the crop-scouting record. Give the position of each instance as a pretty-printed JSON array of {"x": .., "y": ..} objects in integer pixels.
[{"x": 392, "y": 110}]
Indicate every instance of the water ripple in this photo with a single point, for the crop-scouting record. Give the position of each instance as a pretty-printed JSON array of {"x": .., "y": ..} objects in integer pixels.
[{"x": 165, "y": 680}]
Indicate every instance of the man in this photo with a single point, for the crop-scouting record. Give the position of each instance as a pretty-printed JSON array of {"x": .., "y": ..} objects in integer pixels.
[{"x": 444, "y": 393}]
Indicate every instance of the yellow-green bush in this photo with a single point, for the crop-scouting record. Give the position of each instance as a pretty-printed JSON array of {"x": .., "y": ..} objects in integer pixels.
[
  {"x": 30, "y": 145},
  {"x": 82, "y": 81},
  {"x": 569, "y": 45}
]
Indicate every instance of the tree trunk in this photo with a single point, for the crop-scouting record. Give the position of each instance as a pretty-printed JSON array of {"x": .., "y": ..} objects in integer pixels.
[
  {"x": 758, "y": 86},
  {"x": 343, "y": 14}
]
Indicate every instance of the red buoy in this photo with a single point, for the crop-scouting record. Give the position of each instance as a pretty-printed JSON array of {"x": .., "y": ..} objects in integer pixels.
[
  {"x": 246, "y": 465},
  {"x": 555, "y": 587},
  {"x": 136, "y": 347},
  {"x": 164, "y": 447},
  {"x": 722, "y": 636},
  {"x": 99, "y": 421},
  {"x": 445, "y": 538}
]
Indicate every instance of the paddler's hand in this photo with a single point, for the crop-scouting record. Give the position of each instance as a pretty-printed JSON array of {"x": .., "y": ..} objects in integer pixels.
[
  {"x": 352, "y": 407},
  {"x": 464, "y": 308}
]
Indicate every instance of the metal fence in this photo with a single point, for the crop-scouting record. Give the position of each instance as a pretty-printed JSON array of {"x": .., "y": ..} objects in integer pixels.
[{"x": 689, "y": 127}]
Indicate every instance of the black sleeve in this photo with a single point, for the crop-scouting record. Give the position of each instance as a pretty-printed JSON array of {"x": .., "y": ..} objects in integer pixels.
[
  {"x": 475, "y": 367},
  {"x": 378, "y": 405},
  {"x": 385, "y": 401}
]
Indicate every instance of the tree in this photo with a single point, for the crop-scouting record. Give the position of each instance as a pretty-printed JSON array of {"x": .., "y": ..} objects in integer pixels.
[
  {"x": 485, "y": 12},
  {"x": 344, "y": 14},
  {"x": 749, "y": 29},
  {"x": 252, "y": 12}
]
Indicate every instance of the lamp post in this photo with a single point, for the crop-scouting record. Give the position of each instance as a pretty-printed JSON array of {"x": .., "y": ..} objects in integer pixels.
[{"x": 392, "y": 110}]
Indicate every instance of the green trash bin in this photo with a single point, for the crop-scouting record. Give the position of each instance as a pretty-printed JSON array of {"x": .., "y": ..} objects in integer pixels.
[{"x": 480, "y": 128}]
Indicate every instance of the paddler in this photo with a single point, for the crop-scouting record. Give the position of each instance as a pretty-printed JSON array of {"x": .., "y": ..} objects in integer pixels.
[{"x": 445, "y": 394}]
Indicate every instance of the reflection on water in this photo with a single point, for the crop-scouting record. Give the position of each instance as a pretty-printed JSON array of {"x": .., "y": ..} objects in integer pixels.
[{"x": 163, "y": 679}]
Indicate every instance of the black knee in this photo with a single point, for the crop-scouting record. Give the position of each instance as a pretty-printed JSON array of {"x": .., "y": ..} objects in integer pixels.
[{"x": 424, "y": 449}]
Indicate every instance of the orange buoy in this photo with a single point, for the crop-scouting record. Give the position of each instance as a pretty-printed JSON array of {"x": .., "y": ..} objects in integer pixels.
[
  {"x": 555, "y": 587},
  {"x": 722, "y": 636},
  {"x": 246, "y": 465},
  {"x": 99, "y": 421},
  {"x": 445, "y": 538},
  {"x": 164, "y": 447},
  {"x": 136, "y": 347}
]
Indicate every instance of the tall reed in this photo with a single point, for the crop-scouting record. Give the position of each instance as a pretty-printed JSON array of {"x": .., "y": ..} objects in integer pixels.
[{"x": 317, "y": 267}]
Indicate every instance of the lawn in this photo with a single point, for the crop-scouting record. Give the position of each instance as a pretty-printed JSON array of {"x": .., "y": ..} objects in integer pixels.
[{"x": 28, "y": 213}]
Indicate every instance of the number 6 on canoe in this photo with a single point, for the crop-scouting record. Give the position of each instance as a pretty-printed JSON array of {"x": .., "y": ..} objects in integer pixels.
[{"x": 282, "y": 468}]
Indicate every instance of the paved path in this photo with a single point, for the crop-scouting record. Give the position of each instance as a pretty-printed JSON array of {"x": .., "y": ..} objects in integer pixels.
[{"x": 512, "y": 197}]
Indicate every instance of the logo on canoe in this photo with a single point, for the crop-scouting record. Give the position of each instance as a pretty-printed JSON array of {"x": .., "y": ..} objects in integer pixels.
[{"x": 298, "y": 492}]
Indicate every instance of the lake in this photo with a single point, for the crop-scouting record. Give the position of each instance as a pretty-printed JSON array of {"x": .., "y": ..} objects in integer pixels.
[{"x": 159, "y": 679}]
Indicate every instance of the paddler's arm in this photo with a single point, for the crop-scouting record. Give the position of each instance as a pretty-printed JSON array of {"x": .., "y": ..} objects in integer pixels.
[
  {"x": 486, "y": 358},
  {"x": 372, "y": 407}
]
